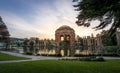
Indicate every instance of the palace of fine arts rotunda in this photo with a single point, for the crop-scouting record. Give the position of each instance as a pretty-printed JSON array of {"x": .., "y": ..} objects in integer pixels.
[{"x": 65, "y": 44}]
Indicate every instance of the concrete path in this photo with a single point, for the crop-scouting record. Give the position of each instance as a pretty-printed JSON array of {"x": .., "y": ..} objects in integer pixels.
[
  {"x": 13, "y": 61},
  {"x": 29, "y": 56},
  {"x": 111, "y": 58},
  {"x": 33, "y": 58}
]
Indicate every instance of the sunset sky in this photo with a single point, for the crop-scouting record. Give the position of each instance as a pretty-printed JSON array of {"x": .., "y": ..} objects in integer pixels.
[{"x": 40, "y": 18}]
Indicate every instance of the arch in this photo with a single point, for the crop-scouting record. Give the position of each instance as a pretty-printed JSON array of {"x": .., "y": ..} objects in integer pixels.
[{"x": 61, "y": 38}]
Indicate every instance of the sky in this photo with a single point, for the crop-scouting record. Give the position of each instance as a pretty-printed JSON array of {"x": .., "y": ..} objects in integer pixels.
[{"x": 40, "y": 18}]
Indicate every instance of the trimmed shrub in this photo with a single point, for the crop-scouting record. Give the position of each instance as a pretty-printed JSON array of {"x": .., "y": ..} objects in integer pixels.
[
  {"x": 85, "y": 59},
  {"x": 112, "y": 49},
  {"x": 29, "y": 53},
  {"x": 37, "y": 54},
  {"x": 58, "y": 55},
  {"x": 98, "y": 59}
]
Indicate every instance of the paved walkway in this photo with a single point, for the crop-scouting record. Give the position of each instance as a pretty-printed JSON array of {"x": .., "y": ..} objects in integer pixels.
[
  {"x": 33, "y": 58},
  {"x": 12, "y": 61},
  {"x": 29, "y": 56},
  {"x": 111, "y": 58}
]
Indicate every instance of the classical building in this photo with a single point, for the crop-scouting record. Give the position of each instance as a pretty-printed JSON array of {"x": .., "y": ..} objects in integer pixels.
[
  {"x": 66, "y": 44},
  {"x": 53, "y": 47},
  {"x": 65, "y": 32},
  {"x": 16, "y": 42},
  {"x": 92, "y": 44},
  {"x": 39, "y": 46},
  {"x": 62, "y": 34}
]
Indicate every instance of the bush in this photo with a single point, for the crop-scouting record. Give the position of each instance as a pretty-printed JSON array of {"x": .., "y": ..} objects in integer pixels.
[
  {"x": 85, "y": 59},
  {"x": 80, "y": 55},
  {"x": 29, "y": 53},
  {"x": 53, "y": 55},
  {"x": 98, "y": 59},
  {"x": 44, "y": 55},
  {"x": 111, "y": 55},
  {"x": 37, "y": 54},
  {"x": 92, "y": 59},
  {"x": 112, "y": 49},
  {"x": 88, "y": 55},
  {"x": 58, "y": 55}
]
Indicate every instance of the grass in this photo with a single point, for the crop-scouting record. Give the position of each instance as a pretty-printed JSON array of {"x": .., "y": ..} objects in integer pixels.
[
  {"x": 58, "y": 66},
  {"x": 5, "y": 57}
]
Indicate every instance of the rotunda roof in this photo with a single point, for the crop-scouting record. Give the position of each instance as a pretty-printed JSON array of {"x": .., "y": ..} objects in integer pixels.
[{"x": 65, "y": 27}]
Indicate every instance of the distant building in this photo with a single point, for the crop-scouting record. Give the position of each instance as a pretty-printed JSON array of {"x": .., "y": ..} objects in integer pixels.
[
  {"x": 37, "y": 46},
  {"x": 92, "y": 44},
  {"x": 16, "y": 42}
]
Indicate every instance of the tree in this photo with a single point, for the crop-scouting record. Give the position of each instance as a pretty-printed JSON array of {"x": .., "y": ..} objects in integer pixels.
[
  {"x": 106, "y": 11},
  {"x": 25, "y": 43},
  {"x": 108, "y": 40},
  {"x": 49, "y": 45},
  {"x": 36, "y": 45},
  {"x": 4, "y": 34},
  {"x": 31, "y": 46},
  {"x": 80, "y": 40},
  {"x": 79, "y": 43}
]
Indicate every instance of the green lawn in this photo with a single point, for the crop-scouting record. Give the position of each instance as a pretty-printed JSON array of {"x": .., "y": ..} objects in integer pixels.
[
  {"x": 4, "y": 57},
  {"x": 57, "y": 66}
]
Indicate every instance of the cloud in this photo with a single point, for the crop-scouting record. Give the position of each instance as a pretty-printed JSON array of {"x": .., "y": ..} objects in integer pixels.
[
  {"x": 44, "y": 20},
  {"x": 18, "y": 26}
]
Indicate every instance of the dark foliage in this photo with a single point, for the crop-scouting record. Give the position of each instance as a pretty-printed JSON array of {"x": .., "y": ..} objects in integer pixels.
[
  {"x": 108, "y": 40},
  {"x": 4, "y": 34},
  {"x": 29, "y": 53},
  {"x": 98, "y": 59},
  {"x": 106, "y": 11}
]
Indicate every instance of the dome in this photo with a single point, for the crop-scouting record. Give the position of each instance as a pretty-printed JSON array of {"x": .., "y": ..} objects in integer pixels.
[{"x": 65, "y": 27}]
